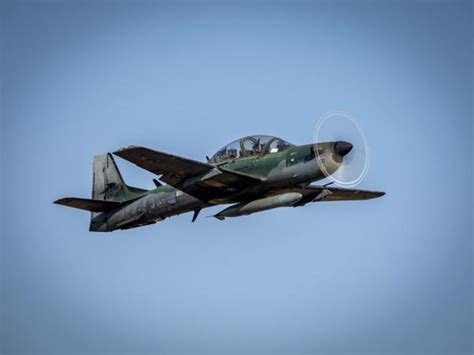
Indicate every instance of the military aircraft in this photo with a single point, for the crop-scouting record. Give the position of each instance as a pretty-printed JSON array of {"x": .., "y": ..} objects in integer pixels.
[{"x": 254, "y": 173}]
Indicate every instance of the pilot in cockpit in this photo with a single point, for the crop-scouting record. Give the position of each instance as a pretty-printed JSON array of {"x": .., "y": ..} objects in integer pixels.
[
  {"x": 256, "y": 146},
  {"x": 281, "y": 145},
  {"x": 232, "y": 153}
]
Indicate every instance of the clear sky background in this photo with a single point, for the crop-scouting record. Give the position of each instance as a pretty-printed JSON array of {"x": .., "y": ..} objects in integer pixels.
[{"x": 388, "y": 275}]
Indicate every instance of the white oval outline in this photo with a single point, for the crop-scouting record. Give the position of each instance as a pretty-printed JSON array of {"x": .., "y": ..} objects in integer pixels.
[{"x": 316, "y": 132}]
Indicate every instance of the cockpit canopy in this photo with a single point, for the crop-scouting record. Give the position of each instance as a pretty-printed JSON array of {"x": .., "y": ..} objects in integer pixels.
[{"x": 250, "y": 146}]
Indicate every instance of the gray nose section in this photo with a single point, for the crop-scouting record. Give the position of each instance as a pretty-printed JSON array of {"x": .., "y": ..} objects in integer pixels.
[{"x": 342, "y": 148}]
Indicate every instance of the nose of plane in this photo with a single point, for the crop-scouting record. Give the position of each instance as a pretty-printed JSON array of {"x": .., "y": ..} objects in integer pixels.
[{"x": 342, "y": 148}]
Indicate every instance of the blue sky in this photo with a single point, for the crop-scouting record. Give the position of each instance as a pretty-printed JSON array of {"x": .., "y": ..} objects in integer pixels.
[{"x": 392, "y": 275}]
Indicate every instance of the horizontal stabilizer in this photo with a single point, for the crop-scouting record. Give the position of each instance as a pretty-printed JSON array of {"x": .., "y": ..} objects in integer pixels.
[{"x": 88, "y": 204}]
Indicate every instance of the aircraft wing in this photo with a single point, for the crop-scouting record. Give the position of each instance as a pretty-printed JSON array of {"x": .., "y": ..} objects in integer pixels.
[
  {"x": 201, "y": 180},
  {"x": 326, "y": 193}
]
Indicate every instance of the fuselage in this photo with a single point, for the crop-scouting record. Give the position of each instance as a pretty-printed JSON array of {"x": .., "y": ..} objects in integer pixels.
[{"x": 296, "y": 165}]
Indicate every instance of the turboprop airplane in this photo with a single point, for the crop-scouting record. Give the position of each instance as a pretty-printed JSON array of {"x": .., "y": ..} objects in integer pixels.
[{"x": 254, "y": 173}]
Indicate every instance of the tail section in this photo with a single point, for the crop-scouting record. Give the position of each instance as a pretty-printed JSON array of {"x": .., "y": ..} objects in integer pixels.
[{"x": 109, "y": 192}]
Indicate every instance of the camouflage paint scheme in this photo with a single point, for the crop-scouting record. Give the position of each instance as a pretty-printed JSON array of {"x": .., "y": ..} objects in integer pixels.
[{"x": 271, "y": 173}]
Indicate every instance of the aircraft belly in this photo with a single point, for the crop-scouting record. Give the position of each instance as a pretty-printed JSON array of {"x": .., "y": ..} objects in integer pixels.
[
  {"x": 185, "y": 203},
  {"x": 153, "y": 208}
]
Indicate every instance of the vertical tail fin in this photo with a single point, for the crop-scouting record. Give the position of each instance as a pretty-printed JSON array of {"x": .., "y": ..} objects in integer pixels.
[{"x": 108, "y": 185}]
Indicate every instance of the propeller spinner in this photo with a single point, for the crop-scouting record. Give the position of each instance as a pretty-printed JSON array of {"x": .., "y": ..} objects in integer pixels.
[{"x": 350, "y": 150}]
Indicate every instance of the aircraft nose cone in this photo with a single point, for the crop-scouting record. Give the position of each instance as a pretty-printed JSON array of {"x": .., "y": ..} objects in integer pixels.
[{"x": 342, "y": 148}]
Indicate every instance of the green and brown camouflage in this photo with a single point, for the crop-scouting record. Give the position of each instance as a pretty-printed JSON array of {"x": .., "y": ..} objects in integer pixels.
[{"x": 254, "y": 173}]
